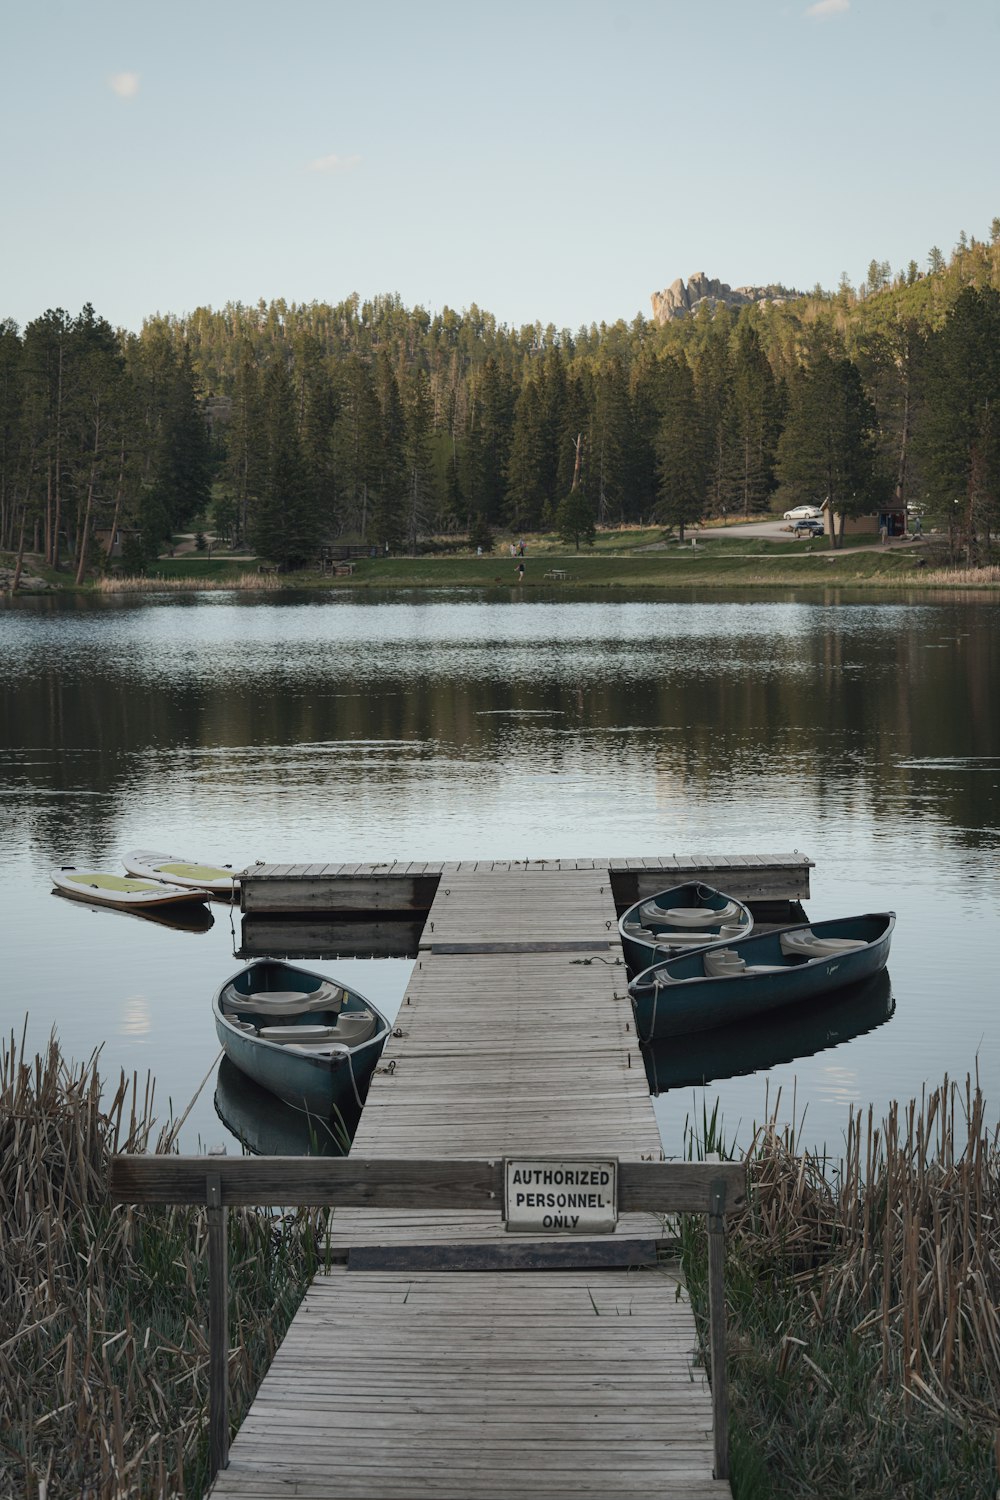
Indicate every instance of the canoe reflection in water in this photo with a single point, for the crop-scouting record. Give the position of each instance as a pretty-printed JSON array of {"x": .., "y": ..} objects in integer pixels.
[
  {"x": 762, "y": 1042},
  {"x": 268, "y": 1127}
]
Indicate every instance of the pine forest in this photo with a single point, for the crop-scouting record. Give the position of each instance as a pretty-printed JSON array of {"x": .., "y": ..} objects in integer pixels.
[{"x": 289, "y": 427}]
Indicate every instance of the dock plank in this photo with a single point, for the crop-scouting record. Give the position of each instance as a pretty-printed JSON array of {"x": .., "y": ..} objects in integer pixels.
[
  {"x": 486, "y": 1384},
  {"x": 515, "y": 1037}
]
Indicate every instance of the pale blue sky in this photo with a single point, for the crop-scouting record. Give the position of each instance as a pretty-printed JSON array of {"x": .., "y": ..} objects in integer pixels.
[{"x": 545, "y": 159}]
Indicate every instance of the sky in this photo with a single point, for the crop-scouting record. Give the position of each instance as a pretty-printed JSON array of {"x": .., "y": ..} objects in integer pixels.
[{"x": 554, "y": 161}]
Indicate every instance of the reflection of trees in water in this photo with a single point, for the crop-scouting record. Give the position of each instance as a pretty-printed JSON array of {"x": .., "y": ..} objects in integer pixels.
[{"x": 857, "y": 714}]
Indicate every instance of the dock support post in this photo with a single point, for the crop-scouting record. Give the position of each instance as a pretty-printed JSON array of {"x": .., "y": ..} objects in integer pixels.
[
  {"x": 218, "y": 1328},
  {"x": 717, "y": 1326}
]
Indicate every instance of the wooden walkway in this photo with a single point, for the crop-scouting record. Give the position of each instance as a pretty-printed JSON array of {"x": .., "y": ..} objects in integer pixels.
[{"x": 515, "y": 1037}]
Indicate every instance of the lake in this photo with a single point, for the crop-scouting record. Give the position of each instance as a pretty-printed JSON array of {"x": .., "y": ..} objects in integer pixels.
[{"x": 339, "y": 727}]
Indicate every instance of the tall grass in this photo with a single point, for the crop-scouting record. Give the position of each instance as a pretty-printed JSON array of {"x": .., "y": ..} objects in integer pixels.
[
  {"x": 864, "y": 1304},
  {"x": 120, "y": 583},
  {"x": 103, "y": 1348}
]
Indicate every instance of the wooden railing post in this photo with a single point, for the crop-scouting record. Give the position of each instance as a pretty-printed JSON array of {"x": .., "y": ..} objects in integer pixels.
[
  {"x": 717, "y": 1325},
  {"x": 218, "y": 1327}
]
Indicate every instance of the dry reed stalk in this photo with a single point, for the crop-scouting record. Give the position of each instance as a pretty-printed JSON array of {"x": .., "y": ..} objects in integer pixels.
[
  {"x": 905, "y": 1240},
  {"x": 89, "y": 1405},
  {"x": 115, "y": 583}
]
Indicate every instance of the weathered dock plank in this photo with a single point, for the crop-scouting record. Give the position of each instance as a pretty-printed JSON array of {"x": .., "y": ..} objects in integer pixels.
[
  {"x": 515, "y": 1037},
  {"x": 411, "y": 887},
  {"x": 508, "y": 1386}
]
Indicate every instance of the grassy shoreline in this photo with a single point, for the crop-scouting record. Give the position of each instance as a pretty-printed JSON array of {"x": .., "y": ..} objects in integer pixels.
[{"x": 642, "y": 560}]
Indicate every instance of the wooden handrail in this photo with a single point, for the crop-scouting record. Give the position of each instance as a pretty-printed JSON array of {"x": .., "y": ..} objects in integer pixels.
[
  {"x": 714, "y": 1188},
  {"x": 413, "y": 1182}
]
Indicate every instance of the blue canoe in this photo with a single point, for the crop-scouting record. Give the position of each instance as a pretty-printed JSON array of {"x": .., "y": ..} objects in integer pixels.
[
  {"x": 307, "y": 1039},
  {"x": 686, "y": 916},
  {"x": 730, "y": 981}
]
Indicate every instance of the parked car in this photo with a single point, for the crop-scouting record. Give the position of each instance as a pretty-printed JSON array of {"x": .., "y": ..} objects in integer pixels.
[
  {"x": 804, "y": 513},
  {"x": 808, "y": 527}
]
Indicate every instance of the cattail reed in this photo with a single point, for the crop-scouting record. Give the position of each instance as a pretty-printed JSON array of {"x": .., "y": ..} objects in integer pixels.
[
  {"x": 103, "y": 1353},
  {"x": 865, "y": 1305}
]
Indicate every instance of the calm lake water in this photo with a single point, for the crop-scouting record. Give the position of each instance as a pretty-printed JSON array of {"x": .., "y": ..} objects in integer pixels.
[{"x": 233, "y": 728}]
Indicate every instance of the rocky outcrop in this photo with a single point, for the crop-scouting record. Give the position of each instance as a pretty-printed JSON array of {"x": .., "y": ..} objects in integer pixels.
[
  {"x": 29, "y": 583},
  {"x": 678, "y": 301}
]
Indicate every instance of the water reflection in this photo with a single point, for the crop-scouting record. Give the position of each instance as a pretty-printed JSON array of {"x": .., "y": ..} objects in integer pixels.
[
  {"x": 187, "y": 918},
  {"x": 265, "y": 1125},
  {"x": 452, "y": 727},
  {"x": 109, "y": 710},
  {"x": 761, "y": 1043}
]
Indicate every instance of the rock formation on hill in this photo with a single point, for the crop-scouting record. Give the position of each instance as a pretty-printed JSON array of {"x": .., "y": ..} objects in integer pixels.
[{"x": 679, "y": 300}]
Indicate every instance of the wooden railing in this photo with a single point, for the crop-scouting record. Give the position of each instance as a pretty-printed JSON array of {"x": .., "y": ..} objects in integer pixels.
[{"x": 713, "y": 1188}]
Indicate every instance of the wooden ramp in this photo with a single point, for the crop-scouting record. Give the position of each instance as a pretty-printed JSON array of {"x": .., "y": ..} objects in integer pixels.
[{"x": 515, "y": 1037}]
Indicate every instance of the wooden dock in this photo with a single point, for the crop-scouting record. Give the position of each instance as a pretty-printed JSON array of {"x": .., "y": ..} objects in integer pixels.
[{"x": 443, "y": 1357}]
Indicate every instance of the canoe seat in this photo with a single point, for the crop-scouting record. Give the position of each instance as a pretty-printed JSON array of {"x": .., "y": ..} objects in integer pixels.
[
  {"x": 300, "y": 1033},
  {"x": 684, "y": 939},
  {"x": 807, "y": 945},
  {"x": 284, "y": 1002},
  {"x": 350, "y": 1031},
  {"x": 689, "y": 916},
  {"x": 356, "y": 1026},
  {"x": 721, "y": 962},
  {"x": 724, "y": 962}
]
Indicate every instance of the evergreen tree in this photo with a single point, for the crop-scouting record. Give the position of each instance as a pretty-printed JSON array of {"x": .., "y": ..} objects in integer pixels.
[
  {"x": 243, "y": 465},
  {"x": 319, "y": 404},
  {"x": 643, "y": 471},
  {"x": 47, "y": 387},
  {"x": 751, "y": 424},
  {"x": 575, "y": 520},
  {"x": 13, "y": 472},
  {"x": 283, "y": 523},
  {"x": 525, "y": 483},
  {"x": 357, "y": 444},
  {"x": 420, "y": 506},
  {"x": 609, "y": 442},
  {"x": 827, "y": 451},
  {"x": 388, "y": 520},
  {"x": 680, "y": 448},
  {"x": 960, "y": 438}
]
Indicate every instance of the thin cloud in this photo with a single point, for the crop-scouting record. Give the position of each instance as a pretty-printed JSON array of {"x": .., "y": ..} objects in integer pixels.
[
  {"x": 823, "y": 9},
  {"x": 125, "y": 85},
  {"x": 334, "y": 163}
]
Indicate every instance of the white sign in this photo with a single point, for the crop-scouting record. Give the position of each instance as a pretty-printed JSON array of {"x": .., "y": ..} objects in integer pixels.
[{"x": 565, "y": 1196}]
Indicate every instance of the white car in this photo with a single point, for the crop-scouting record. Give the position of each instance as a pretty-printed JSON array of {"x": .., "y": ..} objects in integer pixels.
[{"x": 804, "y": 513}]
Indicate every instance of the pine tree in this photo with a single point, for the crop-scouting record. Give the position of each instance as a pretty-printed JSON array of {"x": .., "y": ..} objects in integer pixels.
[
  {"x": 357, "y": 444},
  {"x": 388, "y": 520},
  {"x": 243, "y": 465},
  {"x": 609, "y": 442},
  {"x": 751, "y": 424},
  {"x": 283, "y": 523},
  {"x": 680, "y": 448},
  {"x": 827, "y": 451},
  {"x": 525, "y": 485},
  {"x": 319, "y": 405},
  {"x": 420, "y": 505},
  {"x": 960, "y": 437}
]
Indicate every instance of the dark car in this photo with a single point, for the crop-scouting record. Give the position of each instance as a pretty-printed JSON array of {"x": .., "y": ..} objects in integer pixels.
[{"x": 808, "y": 527}]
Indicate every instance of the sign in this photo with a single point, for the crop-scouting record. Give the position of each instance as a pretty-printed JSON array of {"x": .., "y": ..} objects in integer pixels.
[{"x": 563, "y": 1196}]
